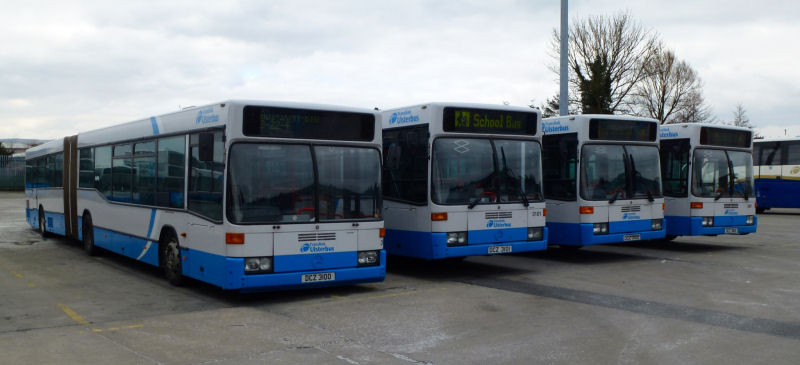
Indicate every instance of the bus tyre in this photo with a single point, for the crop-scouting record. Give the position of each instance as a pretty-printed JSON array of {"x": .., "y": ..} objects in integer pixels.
[
  {"x": 42, "y": 223},
  {"x": 88, "y": 236},
  {"x": 172, "y": 261}
]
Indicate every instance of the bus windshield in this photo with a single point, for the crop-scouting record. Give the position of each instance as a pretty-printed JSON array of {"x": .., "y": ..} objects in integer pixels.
[
  {"x": 475, "y": 171},
  {"x": 611, "y": 172},
  {"x": 720, "y": 174},
  {"x": 276, "y": 183}
]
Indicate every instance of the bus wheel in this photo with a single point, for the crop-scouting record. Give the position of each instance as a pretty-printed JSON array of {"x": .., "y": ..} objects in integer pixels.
[
  {"x": 172, "y": 261},
  {"x": 88, "y": 236},
  {"x": 42, "y": 223}
]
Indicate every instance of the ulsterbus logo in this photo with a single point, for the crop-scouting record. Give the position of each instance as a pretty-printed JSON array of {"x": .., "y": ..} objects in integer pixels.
[
  {"x": 627, "y": 216},
  {"x": 316, "y": 247},
  {"x": 498, "y": 223},
  {"x": 731, "y": 212},
  {"x": 668, "y": 134},
  {"x": 206, "y": 116},
  {"x": 403, "y": 117},
  {"x": 556, "y": 126}
]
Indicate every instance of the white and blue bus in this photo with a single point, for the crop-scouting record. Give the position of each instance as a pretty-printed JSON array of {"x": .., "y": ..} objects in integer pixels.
[
  {"x": 777, "y": 173},
  {"x": 462, "y": 180},
  {"x": 707, "y": 176},
  {"x": 244, "y": 195},
  {"x": 602, "y": 180}
]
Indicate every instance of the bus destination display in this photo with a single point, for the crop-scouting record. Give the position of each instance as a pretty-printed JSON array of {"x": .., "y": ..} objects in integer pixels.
[
  {"x": 305, "y": 123},
  {"x": 622, "y": 130},
  {"x": 488, "y": 121},
  {"x": 725, "y": 137}
]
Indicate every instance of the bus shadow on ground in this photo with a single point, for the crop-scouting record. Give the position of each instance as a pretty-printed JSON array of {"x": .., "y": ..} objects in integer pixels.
[
  {"x": 593, "y": 255},
  {"x": 447, "y": 269},
  {"x": 680, "y": 245}
]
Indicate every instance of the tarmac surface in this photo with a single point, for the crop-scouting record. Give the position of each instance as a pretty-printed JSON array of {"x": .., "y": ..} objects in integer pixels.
[{"x": 725, "y": 299}]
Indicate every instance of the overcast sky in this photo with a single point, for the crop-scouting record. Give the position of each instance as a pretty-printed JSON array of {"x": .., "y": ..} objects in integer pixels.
[{"x": 72, "y": 66}]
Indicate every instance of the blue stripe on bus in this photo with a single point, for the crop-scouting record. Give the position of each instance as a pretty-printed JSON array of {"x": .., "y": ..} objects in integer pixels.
[
  {"x": 693, "y": 226},
  {"x": 433, "y": 246},
  {"x": 152, "y": 221},
  {"x": 282, "y": 281},
  {"x": 581, "y": 234},
  {"x": 321, "y": 261},
  {"x": 154, "y": 124},
  {"x": 777, "y": 193},
  {"x": 126, "y": 245}
]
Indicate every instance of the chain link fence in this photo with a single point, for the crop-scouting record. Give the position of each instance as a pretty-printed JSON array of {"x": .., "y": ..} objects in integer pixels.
[{"x": 12, "y": 172}]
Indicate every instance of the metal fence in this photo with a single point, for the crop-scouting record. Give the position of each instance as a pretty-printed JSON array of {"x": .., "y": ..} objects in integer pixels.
[{"x": 12, "y": 172}]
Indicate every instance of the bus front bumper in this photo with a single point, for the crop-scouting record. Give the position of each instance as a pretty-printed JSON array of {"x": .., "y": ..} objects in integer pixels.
[{"x": 238, "y": 280}]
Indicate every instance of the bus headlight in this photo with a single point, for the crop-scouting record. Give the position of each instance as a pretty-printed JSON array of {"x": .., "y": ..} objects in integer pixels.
[
  {"x": 655, "y": 224},
  {"x": 600, "y": 228},
  {"x": 535, "y": 234},
  {"x": 257, "y": 265},
  {"x": 456, "y": 238},
  {"x": 708, "y": 221},
  {"x": 368, "y": 258},
  {"x": 750, "y": 220}
]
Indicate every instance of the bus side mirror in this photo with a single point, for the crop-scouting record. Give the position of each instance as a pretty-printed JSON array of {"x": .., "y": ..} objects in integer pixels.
[{"x": 206, "y": 147}]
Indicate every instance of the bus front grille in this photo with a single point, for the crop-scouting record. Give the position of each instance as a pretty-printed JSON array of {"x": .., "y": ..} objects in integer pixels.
[
  {"x": 499, "y": 215},
  {"x": 631, "y": 208},
  {"x": 316, "y": 237}
]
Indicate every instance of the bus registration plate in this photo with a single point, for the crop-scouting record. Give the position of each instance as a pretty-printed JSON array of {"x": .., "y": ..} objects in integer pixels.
[
  {"x": 632, "y": 237},
  {"x": 732, "y": 230},
  {"x": 499, "y": 249},
  {"x": 323, "y": 276}
]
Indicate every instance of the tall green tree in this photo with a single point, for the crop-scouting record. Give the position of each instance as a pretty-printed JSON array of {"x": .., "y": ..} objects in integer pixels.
[{"x": 595, "y": 87}]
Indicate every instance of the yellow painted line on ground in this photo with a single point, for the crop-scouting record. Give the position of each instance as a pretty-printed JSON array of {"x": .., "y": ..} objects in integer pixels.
[
  {"x": 114, "y": 329},
  {"x": 75, "y": 316},
  {"x": 16, "y": 274},
  {"x": 31, "y": 285}
]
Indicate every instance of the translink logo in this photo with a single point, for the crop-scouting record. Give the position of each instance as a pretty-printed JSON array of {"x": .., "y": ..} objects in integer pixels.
[{"x": 403, "y": 117}]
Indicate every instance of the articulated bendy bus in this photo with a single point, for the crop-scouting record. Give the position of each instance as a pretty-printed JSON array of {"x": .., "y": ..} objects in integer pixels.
[{"x": 245, "y": 195}]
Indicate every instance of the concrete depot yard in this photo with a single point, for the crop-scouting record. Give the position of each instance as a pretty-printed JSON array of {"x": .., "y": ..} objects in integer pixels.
[{"x": 721, "y": 300}]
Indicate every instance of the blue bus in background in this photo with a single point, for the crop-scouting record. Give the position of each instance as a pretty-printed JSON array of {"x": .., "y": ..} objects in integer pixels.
[{"x": 777, "y": 173}]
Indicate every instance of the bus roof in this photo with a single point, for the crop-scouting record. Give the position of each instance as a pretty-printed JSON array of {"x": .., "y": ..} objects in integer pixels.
[{"x": 184, "y": 120}]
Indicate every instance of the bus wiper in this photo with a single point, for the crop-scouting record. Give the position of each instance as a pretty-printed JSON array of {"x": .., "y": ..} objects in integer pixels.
[
  {"x": 473, "y": 203},
  {"x": 614, "y": 198},
  {"x": 718, "y": 196},
  {"x": 650, "y": 196}
]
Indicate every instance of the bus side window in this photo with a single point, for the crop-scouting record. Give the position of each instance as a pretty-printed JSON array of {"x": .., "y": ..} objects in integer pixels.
[
  {"x": 405, "y": 169},
  {"x": 205, "y": 177},
  {"x": 86, "y": 168},
  {"x": 102, "y": 170},
  {"x": 559, "y": 165},
  {"x": 674, "y": 167},
  {"x": 171, "y": 159},
  {"x": 792, "y": 153}
]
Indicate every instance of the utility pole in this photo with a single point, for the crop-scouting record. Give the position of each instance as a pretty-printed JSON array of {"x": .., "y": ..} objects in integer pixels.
[{"x": 563, "y": 99}]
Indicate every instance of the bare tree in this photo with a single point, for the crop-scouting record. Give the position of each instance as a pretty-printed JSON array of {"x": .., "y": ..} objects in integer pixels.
[
  {"x": 694, "y": 110},
  {"x": 668, "y": 87},
  {"x": 621, "y": 45},
  {"x": 740, "y": 118}
]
